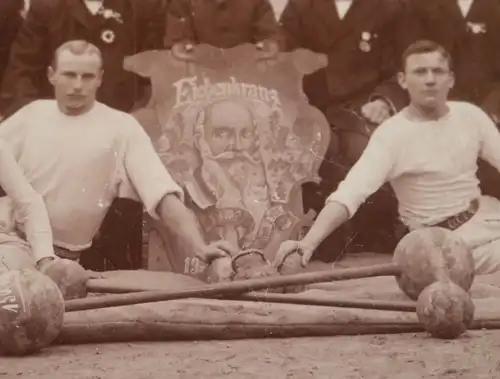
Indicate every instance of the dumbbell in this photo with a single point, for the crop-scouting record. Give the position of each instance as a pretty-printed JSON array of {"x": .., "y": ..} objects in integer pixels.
[
  {"x": 31, "y": 312},
  {"x": 434, "y": 267},
  {"x": 437, "y": 270}
]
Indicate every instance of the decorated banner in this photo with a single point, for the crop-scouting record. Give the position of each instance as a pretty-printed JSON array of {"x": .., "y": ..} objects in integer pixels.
[{"x": 235, "y": 130}]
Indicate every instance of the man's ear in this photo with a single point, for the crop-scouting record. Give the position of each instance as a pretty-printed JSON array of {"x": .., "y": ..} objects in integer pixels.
[
  {"x": 99, "y": 78},
  {"x": 402, "y": 80},
  {"x": 451, "y": 82},
  {"x": 51, "y": 74}
]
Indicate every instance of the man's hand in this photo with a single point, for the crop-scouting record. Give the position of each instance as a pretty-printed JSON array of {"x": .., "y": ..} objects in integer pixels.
[
  {"x": 376, "y": 111},
  {"x": 220, "y": 270},
  {"x": 289, "y": 247},
  {"x": 217, "y": 249},
  {"x": 70, "y": 277}
]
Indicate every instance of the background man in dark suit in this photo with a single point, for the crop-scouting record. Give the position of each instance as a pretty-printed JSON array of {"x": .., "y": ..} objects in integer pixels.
[
  {"x": 11, "y": 18},
  {"x": 118, "y": 28},
  {"x": 220, "y": 23},
  {"x": 363, "y": 40},
  {"x": 470, "y": 31}
]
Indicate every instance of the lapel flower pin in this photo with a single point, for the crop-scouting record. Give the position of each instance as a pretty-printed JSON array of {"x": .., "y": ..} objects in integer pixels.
[
  {"x": 476, "y": 27},
  {"x": 110, "y": 14}
]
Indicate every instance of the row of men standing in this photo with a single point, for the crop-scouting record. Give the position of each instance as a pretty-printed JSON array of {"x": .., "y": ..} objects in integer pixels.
[{"x": 363, "y": 40}]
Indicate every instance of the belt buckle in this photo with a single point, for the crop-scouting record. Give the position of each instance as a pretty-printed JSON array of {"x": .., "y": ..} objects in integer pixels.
[
  {"x": 453, "y": 223},
  {"x": 456, "y": 221}
]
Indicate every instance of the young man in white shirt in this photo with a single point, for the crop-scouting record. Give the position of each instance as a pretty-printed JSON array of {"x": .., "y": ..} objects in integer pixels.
[
  {"x": 428, "y": 153},
  {"x": 119, "y": 28},
  {"x": 363, "y": 40},
  {"x": 80, "y": 155}
]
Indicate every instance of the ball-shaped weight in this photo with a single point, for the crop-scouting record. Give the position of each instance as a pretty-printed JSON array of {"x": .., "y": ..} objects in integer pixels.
[
  {"x": 430, "y": 254},
  {"x": 259, "y": 270},
  {"x": 70, "y": 277},
  {"x": 253, "y": 265},
  {"x": 31, "y": 312},
  {"x": 445, "y": 310}
]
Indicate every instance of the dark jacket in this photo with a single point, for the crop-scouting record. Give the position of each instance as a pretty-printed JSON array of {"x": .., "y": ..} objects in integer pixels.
[
  {"x": 220, "y": 23},
  {"x": 474, "y": 44},
  {"x": 10, "y": 22},
  {"x": 364, "y": 48},
  {"x": 53, "y": 22}
]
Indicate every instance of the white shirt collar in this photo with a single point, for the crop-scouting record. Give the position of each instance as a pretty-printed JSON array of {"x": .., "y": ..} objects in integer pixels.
[
  {"x": 93, "y": 5},
  {"x": 342, "y": 7},
  {"x": 465, "y": 6}
]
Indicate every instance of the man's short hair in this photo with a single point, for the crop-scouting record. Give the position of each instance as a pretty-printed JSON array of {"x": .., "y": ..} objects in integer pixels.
[
  {"x": 424, "y": 47},
  {"x": 76, "y": 47}
]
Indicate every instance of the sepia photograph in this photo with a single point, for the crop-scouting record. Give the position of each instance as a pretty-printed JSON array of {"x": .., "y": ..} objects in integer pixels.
[{"x": 250, "y": 189}]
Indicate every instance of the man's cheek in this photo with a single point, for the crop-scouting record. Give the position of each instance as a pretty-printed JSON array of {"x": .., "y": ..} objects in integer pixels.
[{"x": 223, "y": 145}]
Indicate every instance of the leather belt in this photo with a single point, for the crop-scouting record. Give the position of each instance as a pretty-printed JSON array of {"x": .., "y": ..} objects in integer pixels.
[
  {"x": 62, "y": 252},
  {"x": 456, "y": 221},
  {"x": 451, "y": 223}
]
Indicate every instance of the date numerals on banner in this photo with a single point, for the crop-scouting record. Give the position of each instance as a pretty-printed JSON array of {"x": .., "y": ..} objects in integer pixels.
[{"x": 194, "y": 266}]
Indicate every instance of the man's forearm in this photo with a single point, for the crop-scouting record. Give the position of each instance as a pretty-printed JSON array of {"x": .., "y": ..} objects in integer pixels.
[
  {"x": 176, "y": 217},
  {"x": 37, "y": 229},
  {"x": 29, "y": 207},
  {"x": 332, "y": 216}
]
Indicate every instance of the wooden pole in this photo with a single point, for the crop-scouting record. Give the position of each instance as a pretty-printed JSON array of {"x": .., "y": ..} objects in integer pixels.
[
  {"x": 304, "y": 299},
  {"x": 231, "y": 288},
  {"x": 311, "y": 299}
]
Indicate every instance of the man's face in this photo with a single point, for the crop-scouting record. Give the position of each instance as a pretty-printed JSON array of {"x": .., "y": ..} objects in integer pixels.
[
  {"x": 76, "y": 79},
  {"x": 229, "y": 129},
  {"x": 428, "y": 79}
]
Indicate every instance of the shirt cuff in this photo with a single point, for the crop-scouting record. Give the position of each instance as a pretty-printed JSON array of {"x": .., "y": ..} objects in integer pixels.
[
  {"x": 155, "y": 197},
  {"x": 345, "y": 200},
  {"x": 43, "y": 248},
  {"x": 41, "y": 243}
]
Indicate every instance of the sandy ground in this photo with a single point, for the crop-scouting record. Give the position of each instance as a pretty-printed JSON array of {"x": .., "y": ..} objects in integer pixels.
[
  {"x": 476, "y": 355},
  {"x": 410, "y": 356}
]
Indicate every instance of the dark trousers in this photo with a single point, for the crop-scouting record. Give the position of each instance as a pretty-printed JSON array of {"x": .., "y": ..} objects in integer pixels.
[
  {"x": 489, "y": 178},
  {"x": 119, "y": 243},
  {"x": 374, "y": 226}
]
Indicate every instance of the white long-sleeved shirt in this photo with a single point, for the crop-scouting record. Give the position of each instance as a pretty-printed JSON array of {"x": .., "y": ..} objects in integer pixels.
[
  {"x": 430, "y": 165},
  {"x": 80, "y": 164},
  {"x": 24, "y": 206}
]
